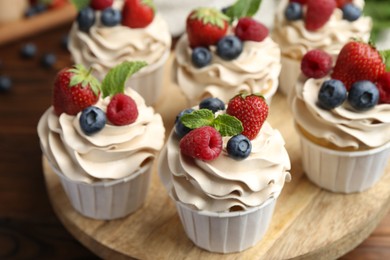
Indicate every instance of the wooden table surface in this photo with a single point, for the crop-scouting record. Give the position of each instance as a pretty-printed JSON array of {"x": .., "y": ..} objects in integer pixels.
[{"x": 29, "y": 229}]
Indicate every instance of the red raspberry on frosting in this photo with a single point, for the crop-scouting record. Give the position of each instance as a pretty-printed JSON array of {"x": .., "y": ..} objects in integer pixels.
[
  {"x": 203, "y": 143},
  {"x": 383, "y": 85},
  {"x": 122, "y": 110},
  {"x": 248, "y": 29},
  {"x": 316, "y": 64}
]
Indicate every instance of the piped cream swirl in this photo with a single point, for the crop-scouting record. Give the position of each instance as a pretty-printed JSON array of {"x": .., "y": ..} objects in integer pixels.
[
  {"x": 341, "y": 126},
  {"x": 226, "y": 184},
  {"x": 105, "y": 47},
  {"x": 113, "y": 153},
  {"x": 294, "y": 40},
  {"x": 256, "y": 70}
]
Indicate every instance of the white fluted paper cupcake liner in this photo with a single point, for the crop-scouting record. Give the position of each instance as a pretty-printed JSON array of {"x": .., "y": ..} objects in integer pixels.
[
  {"x": 344, "y": 172},
  {"x": 107, "y": 200},
  {"x": 149, "y": 81},
  {"x": 291, "y": 69},
  {"x": 226, "y": 232}
]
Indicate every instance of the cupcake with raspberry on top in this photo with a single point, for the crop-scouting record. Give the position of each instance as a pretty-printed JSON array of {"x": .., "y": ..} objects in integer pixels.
[
  {"x": 224, "y": 166},
  {"x": 96, "y": 138},
  {"x": 108, "y": 32},
  {"x": 222, "y": 54},
  {"x": 304, "y": 25}
]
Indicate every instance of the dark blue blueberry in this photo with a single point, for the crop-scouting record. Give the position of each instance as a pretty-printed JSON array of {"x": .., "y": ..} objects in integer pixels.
[
  {"x": 35, "y": 9},
  {"x": 332, "y": 94},
  {"x": 180, "y": 129},
  {"x": 293, "y": 11},
  {"x": 5, "y": 84},
  {"x": 213, "y": 104},
  {"x": 363, "y": 95},
  {"x": 201, "y": 57},
  {"x": 92, "y": 120},
  {"x": 111, "y": 17},
  {"x": 65, "y": 41},
  {"x": 229, "y": 47},
  {"x": 239, "y": 147},
  {"x": 351, "y": 12},
  {"x": 48, "y": 60},
  {"x": 28, "y": 50},
  {"x": 85, "y": 19}
]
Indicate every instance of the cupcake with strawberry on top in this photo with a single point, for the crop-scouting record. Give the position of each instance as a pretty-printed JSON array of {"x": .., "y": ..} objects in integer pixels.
[
  {"x": 304, "y": 25},
  {"x": 108, "y": 32},
  {"x": 96, "y": 138},
  {"x": 225, "y": 166},
  {"x": 343, "y": 117},
  {"x": 222, "y": 54}
]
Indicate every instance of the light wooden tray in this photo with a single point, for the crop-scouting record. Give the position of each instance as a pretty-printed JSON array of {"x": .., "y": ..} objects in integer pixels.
[{"x": 308, "y": 222}]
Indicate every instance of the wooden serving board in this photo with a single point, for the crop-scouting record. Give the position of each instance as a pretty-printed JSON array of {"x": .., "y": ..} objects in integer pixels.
[{"x": 308, "y": 222}]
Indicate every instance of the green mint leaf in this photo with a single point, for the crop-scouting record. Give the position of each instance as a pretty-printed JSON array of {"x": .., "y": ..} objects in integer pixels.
[
  {"x": 243, "y": 8},
  {"x": 386, "y": 58},
  {"x": 80, "y": 4},
  {"x": 228, "y": 125},
  {"x": 114, "y": 81},
  {"x": 198, "y": 118}
]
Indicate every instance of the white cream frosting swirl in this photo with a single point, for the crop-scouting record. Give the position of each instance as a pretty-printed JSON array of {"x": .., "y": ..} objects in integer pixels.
[
  {"x": 294, "y": 40},
  {"x": 256, "y": 70},
  {"x": 224, "y": 183},
  {"x": 105, "y": 47},
  {"x": 113, "y": 153},
  {"x": 341, "y": 126}
]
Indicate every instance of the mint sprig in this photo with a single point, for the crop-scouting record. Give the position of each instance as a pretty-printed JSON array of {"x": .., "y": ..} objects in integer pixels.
[
  {"x": 243, "y": 8},
  {"x": 80, "y": 4},
  {"x": 226, "y": 125},
  {"x": 386, "y": 58},
  {"x": 114, "y": 81}
]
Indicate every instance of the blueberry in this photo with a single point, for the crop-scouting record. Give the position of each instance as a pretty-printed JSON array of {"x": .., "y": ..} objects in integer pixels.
[
  {"x": 239, "y": 147},
  {"x": 111, "y": 17},
  {"x": 85, "y": 19},
  {"x": 229, "y": 47},
  {"x": 201, "y": 57},
  {"x": 293, "y": 11},
  {"x": 213, "y": 104},
  {"x": 65, "y": 41},
  {"x": 332, "y": 94},
  {"x": 35, "y": 9},
  {"x": 48, "y": 60},
  {"x": 180, "y": 129},
  {"x": 363, "y": 95},
  {"x": 351, "y": 12},
  {"x": 28, "y": 50},
  {"x": 5, "y": 84},
  {"x": 92, "y": 120}
]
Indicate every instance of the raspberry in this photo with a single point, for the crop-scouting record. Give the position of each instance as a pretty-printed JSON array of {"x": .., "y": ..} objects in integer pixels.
[
  {"x": 248, "y": 29},
  {"x": 101, "y": 4},
  {"x": 383, "y": 85},
  {"x": 341, "y": 3},
  {"x": 122, "y": 110},
  {"x": 316, "y": 64},
  {"x": 302, "y": 2},
  {"x": 203, "y": 143},
  {"x": 318, "y": 13}
]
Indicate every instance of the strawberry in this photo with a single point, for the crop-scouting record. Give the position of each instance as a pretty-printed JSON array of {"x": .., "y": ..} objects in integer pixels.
[
  {"x": 74, "y": 89},
  {"x": 251, "y": 110},
  {"x": 54, "y": 4},
  {"x": 203, "y": 143},
  {"x": 206, "y": 26},
  {"x": 318, "y": 13},
  {"x": 358, "y": 61},
  {"x": 101, "y": 4},
  {"x": 383, "y": 85},
  {"x": 138, "y": 13}
]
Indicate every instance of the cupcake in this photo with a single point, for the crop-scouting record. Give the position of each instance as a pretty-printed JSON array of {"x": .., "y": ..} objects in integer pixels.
[
  {"x": 104, "y": 36},
  {"x": 343, "y": 120},
  {"x": 327, "y": 25},
  {"x": 225, "y": 182},
  {"x": 217, "y": 59},
  {"x": 11, "y": 11},
  {"x": 99, "y": 144}
]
